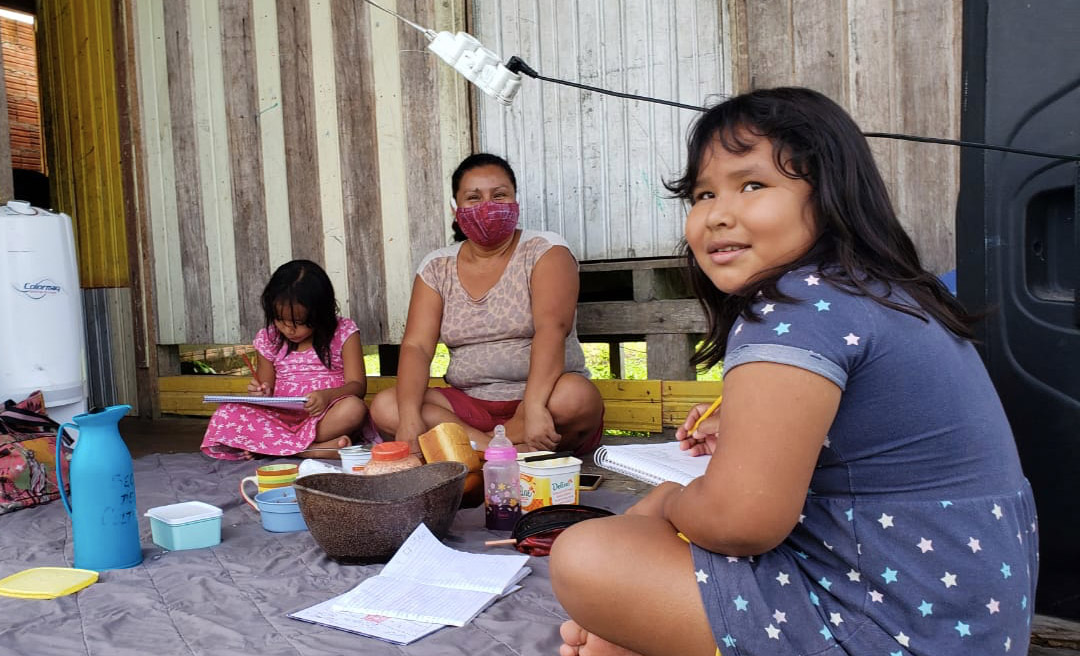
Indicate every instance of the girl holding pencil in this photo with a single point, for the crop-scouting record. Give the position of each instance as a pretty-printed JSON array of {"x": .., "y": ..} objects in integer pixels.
[
  {"x": 864, "y": 494},
  {"x": 306, "y": 349}
]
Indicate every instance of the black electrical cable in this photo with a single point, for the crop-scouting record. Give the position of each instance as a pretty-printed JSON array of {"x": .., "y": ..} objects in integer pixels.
[
  {"x": 972, "y": 144},
  {"x": 518, "y": 65}
]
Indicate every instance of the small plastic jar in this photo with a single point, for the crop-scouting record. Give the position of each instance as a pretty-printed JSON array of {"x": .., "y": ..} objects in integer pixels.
[
  {"x": 354, "y": 458},
  {"x": 390, "y": 457}
]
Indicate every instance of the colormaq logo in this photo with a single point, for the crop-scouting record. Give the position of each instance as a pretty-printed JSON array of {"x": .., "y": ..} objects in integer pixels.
[{"x": 40, "y": 289}]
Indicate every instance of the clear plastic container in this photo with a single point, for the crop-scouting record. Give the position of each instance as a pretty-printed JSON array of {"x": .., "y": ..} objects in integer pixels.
[
  {"x": 390, "y": 457},
  {"x": 502, "y": 483},
  {"x": 187, "y": 525}
]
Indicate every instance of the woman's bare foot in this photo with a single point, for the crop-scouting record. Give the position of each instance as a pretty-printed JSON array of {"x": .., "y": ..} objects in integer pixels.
[
  {"x": 579, "y": 642},
  {"x": 326, "y": 449}
]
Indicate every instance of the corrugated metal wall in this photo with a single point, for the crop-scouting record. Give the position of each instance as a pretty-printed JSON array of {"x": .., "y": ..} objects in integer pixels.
[
  {"x": 591, "y": 167},
  {"x": 81, "y": 129},
  {"x": 109, "y": 347},
  {"x": 317, "y": 129}
]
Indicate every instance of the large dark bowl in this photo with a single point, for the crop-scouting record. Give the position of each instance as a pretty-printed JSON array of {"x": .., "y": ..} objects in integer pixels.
[{"x": 364, "y": 519}]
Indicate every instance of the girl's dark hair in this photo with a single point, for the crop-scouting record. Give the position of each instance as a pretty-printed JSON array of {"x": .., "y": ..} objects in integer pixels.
[
  {"x": 860, "y": 241},
  {"x": 304, "y": 283},
  {"x": 475, "y": 161}
]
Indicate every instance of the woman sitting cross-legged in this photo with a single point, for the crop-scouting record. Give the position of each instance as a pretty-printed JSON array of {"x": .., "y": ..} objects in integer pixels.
[{"x": 504, "y": 301}]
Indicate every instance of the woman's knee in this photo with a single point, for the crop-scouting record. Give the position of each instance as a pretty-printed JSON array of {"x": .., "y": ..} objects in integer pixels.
[
  {"x": 384, "y": 409},
  {"x": 575, "y": 400}
]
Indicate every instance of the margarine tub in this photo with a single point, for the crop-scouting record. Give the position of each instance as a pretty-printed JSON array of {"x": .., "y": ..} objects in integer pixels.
[{"x": 548, "y": 482}]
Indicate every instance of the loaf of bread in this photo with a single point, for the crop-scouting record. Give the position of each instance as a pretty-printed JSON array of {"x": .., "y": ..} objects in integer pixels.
[{"x": 449, "y": 441}]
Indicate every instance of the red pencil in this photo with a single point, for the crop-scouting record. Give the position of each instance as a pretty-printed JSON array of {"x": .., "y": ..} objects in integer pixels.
[{"x": 251, "y": 366}]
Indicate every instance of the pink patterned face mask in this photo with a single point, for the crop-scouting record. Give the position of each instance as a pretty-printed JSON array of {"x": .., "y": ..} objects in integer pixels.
[{"x": 489, "y": 223}]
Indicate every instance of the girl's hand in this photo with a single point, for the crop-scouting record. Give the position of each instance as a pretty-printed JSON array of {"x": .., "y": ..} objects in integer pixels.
[
  {"x": 702, "y": 441},
  {"x": 653, "y": 503},
  {"x": 318, "y": 401},
  {"x": 540, "y": 432},
  {"x": 255, "y": 388}
]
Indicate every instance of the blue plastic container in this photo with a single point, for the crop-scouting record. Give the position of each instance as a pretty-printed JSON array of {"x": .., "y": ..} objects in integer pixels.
[
  {"x": 101, "y": 503},
  {"x": 187, "y": 525},
  {"x": 279, "y": 511}
]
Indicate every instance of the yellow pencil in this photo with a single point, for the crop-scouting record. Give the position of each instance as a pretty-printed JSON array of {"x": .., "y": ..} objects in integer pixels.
[{"x": 705, "y": 415}]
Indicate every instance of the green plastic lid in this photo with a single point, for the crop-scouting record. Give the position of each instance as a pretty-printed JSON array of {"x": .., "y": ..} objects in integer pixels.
[{"x": 46, "y": 582}]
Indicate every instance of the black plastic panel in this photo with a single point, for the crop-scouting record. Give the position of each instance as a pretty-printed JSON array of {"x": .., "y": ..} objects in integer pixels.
[{"x": 1018, "y": 253}]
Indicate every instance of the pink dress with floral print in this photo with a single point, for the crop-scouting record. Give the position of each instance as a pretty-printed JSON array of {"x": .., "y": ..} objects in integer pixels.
[{"x": 239, "y": 427}]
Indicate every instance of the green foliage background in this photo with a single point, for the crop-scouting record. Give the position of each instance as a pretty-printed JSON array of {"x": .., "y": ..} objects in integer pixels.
[{"x": 597, "y": 361}]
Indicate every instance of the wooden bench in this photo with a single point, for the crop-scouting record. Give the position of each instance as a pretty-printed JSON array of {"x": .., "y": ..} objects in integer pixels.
[
  {"x": 647, "y": 406},
  {"x": 642, "y": 300}
]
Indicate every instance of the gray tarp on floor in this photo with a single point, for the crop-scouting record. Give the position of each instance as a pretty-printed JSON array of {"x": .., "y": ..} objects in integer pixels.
[{"x": 233, "y": 598}]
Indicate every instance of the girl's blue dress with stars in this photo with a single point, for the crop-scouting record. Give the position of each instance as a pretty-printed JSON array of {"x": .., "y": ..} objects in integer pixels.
[{"x": 919, "y": 532}]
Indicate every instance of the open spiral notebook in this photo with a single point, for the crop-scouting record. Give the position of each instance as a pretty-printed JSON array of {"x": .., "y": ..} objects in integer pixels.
[
  {"x": 652, "y": 463},
  {"x": 295, "y": 403}
]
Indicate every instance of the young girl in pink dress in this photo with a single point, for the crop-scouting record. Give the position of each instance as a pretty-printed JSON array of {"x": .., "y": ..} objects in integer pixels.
[{"x": 307, "y": 350}]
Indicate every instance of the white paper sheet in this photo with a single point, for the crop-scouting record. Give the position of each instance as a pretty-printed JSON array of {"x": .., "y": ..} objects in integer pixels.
[
  {"x": 390, "y": 629},
  {"x": 428, "y": 582}
]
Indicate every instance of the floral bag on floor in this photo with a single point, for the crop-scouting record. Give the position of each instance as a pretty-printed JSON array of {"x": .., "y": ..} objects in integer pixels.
[{"x": 28, "y": 455}]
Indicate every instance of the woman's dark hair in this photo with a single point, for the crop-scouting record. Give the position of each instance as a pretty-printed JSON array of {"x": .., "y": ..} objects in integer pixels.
[
  {"x": 860, "y": 242},
  {"x": 475, "y": 161},
  {"x": 304, "y": 283}
]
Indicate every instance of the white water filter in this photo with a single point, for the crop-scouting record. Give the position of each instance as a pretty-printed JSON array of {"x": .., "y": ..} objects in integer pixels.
[{"x": 42, "y": 334}]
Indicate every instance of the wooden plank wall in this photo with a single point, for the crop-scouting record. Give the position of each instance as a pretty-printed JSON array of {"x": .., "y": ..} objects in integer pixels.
[
  {"x": 81, "y": 131},
  {"x": 323, "y": 129},
  {"x": 895, "y": 65},
  {"x": 318, "y": 129},
  {"x": 592, "y": 167}
]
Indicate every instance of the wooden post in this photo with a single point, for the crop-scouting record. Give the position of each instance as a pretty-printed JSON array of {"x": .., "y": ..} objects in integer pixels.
[
  {"x": 615, "y": 358},
  {"x": 668, "y": 356},
  {"x": 168, "y": 359}
]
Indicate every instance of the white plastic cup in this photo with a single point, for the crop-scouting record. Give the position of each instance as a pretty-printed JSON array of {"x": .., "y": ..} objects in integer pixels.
[{"x": 354, "y": 458}]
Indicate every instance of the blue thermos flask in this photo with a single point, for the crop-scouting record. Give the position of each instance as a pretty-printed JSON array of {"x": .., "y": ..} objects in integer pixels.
[{"x": 104, "y": 522}]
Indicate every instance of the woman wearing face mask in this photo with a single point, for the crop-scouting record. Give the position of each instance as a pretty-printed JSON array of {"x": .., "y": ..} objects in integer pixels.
[{"x": 503, "y": 300}]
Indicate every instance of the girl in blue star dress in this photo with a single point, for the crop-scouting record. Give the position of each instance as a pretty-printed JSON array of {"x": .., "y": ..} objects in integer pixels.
[{"x": 864, "y": 494}]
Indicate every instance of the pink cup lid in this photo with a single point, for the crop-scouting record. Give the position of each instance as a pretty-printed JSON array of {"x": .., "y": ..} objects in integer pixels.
[{"x": 500, "y": 453}]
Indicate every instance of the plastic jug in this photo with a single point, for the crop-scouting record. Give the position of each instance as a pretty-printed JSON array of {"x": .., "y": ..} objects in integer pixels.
[
  {"x": 502, "y": 483},
  {"x": 104, "y": 523}
]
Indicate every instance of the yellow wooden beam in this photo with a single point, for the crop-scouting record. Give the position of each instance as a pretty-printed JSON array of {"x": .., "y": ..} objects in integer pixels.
[
  {"x": 636, "y": 405},
  {"x": 681, "y": 395}
]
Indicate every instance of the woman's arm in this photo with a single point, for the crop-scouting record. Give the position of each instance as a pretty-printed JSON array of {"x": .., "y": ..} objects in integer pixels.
[
  {"x": 772, "y": 425},
  {"x": 554, "y": 302},
  {"x": 414, "y": 362}
]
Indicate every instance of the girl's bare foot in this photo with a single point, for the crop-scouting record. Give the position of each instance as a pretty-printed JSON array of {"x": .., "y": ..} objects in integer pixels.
[
  {"x": 326, "y": 449},
  {"x": 579, "y": 642}
]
